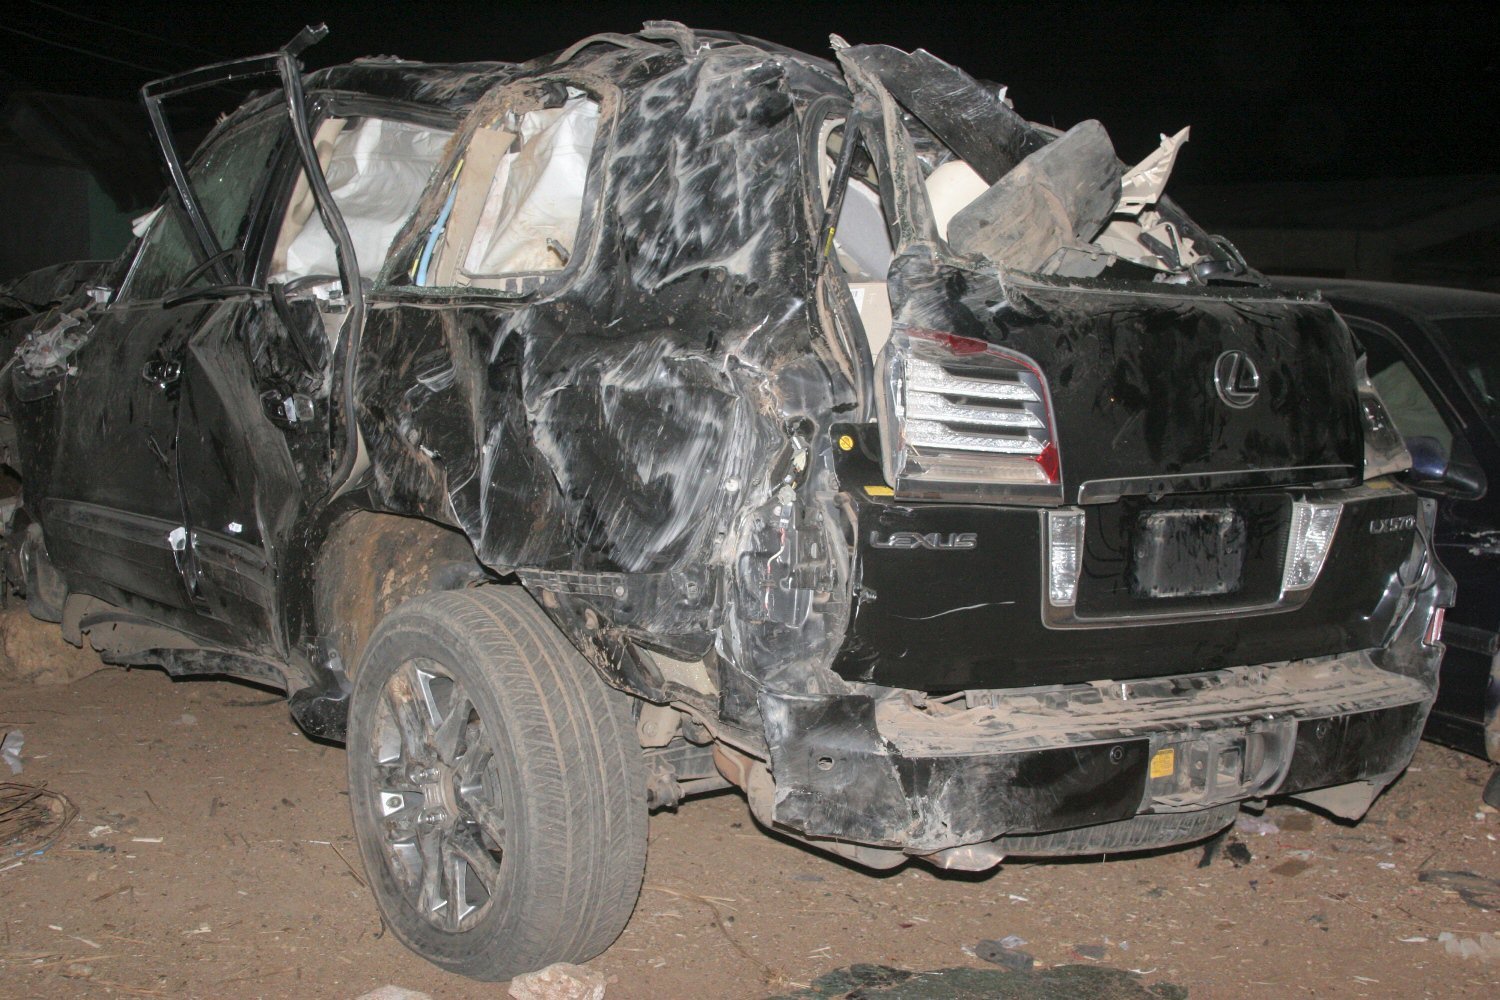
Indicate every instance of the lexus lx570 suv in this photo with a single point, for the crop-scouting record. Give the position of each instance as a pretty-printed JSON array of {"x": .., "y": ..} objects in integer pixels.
[{"x": 679, "y": 411}]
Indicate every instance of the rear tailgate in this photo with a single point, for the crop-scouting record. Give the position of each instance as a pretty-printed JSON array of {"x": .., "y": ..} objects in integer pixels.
[{"x": 1138, "y": 376}]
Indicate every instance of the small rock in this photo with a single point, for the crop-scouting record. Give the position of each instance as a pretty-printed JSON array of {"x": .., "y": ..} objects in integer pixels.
[
  {"x": 1092, "y": 952},
  {"x": 1361, "y": 843},
  {"x": 393, "y": 993},
  {"x": 1002, "y": 954},
  {"x": 1238, "y": 853},
  {"x": 559, "y": 981}
]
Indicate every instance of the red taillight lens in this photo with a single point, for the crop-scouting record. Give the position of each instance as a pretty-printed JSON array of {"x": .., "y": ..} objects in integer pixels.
[
  {"x": 1434, "y": 634},
  {"x": 961, "y": 418}
]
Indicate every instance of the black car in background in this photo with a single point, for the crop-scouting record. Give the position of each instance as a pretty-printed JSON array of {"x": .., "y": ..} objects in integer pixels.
[{"x": 1434, "y": 355}]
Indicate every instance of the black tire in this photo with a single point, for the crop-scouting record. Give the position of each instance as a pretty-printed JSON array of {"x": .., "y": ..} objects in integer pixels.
[{"x": 543, "y": 778}]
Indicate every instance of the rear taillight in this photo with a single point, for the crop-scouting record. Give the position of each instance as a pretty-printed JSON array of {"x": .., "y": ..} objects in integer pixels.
[
  {"x": 1385, "y": 449},
  {"x": 963, "y": 419},
  {"x": 1434, "y": 633}
]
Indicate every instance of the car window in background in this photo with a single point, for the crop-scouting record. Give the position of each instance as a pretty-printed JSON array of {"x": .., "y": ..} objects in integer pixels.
[
  {"x": 226, "y": 179},
  {"x": 1472, "y": 341},
  {"x": 1410, "y": 406}
]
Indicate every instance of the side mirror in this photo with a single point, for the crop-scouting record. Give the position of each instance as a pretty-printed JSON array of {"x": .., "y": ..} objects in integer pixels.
[
  {"x": 1428, "y": 457},
  {"x": 1433, "y": 471}
]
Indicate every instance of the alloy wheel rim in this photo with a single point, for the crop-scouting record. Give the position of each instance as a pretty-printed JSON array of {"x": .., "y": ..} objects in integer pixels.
[{"x": 435, "y": 798}]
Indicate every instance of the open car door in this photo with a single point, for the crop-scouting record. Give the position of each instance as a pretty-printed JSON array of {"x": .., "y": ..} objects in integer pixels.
[{"x": 217, "y": 391}]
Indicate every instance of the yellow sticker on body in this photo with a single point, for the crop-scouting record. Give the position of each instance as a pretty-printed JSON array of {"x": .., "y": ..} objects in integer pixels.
[{"x": 1163, "y": 762}]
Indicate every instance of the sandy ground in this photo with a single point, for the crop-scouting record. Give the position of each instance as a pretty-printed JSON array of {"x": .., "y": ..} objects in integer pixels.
[{"x": 212, "y": 856}]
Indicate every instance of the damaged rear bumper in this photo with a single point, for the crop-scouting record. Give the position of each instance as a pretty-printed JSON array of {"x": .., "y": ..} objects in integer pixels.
[{"x": 1139, "y": 764}]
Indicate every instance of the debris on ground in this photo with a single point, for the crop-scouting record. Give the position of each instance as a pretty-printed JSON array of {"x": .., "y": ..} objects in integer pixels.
[
  {"x": 1478, "y": 891},
  {"x": 393, "y": 993},
  {"x": 1005, "y": 952},
  {"x": 559, "y": 981},
  {"x": 10, "y": 750},
  {"x": 1258, "y": 825},
  {"x": 1485, "y": 947},
  {"x": 32, "y": 818},
  {"x": 1063, "y": 982},
  {"x": 1092, "y": 952}
]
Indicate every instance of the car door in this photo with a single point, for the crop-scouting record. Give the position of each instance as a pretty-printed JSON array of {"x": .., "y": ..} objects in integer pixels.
[
  {"x": 257, "y": 385},
  {"x": 113, "y": 514}
]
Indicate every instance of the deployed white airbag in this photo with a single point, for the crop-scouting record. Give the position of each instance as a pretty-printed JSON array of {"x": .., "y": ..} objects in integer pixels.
[
  {"x": 535, "y": 202},
  {"x": 377, "y": 173}
]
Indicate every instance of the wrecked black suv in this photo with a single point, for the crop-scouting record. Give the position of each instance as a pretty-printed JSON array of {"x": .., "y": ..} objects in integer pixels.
[{"x": 679, "y": 411}]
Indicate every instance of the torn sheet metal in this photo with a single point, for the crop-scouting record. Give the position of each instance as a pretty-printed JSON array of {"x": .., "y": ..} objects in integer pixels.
[{"x": 974, "y": 121}]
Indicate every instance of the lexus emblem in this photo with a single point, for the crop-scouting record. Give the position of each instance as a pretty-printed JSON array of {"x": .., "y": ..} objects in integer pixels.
[{"x": 1236, "y": 379}]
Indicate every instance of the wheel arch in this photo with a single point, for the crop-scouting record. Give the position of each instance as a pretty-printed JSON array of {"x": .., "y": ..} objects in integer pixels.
[{"x": 370, "y": 562}]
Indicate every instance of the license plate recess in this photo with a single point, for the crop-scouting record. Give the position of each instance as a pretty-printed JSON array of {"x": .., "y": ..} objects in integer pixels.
[{"x": 1188, "y": 552}]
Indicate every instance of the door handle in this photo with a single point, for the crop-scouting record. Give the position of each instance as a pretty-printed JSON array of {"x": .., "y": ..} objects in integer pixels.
[{"x": 162, "y": 372}]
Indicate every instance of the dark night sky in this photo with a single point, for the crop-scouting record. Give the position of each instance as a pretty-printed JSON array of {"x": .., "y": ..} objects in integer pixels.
[{"x": 1273, "y": 90}]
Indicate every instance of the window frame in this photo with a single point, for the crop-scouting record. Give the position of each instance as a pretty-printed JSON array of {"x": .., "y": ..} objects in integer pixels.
[
  {"x": 170, "y": 206},
  {"x": 321, "y": 106},
  {"x": 1360, "y": 326}
]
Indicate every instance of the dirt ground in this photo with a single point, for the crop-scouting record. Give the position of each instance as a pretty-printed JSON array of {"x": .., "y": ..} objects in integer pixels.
[{"x": 212, "y": 856}]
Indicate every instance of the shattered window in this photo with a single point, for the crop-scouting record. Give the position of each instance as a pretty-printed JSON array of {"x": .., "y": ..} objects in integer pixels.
[
  {"x": 514, "y": 200},
  {"x": 376, "y": 170},
  {"x": 226, "y": 177}
]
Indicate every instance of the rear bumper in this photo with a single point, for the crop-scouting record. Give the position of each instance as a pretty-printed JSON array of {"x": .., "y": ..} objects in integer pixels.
[{"x": 936, "y": 778}]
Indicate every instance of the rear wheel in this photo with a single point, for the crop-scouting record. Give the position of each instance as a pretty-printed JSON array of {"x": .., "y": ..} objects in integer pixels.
[{"x": 497, "y": 787}]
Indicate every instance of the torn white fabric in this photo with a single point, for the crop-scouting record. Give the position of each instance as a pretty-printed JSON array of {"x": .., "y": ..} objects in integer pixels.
[
  {"x": 531, "y": 214},
  {"x": 377, "y": 173}
]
